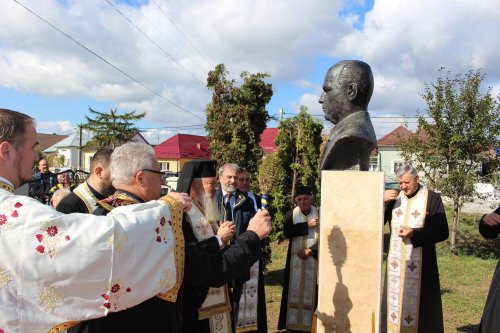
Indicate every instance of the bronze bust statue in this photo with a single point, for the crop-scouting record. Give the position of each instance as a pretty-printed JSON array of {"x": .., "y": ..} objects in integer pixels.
[{"x": 347, "y": 90}]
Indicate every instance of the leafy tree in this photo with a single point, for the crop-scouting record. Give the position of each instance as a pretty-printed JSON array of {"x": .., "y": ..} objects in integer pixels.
[
  {"x": 461, "y": 137},
  {"x": 111, "y": 129},
  {"x": 295, "y": 162},
  {"x": 236, "y": 117}
]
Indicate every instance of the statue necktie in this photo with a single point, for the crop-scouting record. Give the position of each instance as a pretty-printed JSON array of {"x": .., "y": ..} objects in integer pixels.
[{"x": 228, "y": 212}]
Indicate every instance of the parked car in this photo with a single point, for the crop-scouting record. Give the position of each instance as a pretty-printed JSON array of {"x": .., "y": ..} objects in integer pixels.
[
  {"x": 391, "y": 186},
  {"x": 485, "y": 191}
]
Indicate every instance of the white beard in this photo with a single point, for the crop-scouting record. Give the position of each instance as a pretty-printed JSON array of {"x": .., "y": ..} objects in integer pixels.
[
  {"x": 228, "y": 188},
  {"x": 210, "y": 207}
]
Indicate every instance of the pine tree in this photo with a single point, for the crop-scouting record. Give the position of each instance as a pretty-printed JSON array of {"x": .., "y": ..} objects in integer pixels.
[{"x": 111, "y": 129}]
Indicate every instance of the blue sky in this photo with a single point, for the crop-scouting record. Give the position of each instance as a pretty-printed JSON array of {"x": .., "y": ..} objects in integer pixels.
[{"x": 103, "y": 53}]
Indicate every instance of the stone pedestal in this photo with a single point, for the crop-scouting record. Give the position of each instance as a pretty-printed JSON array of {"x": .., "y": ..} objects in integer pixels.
[{"x": 350, "y": 252}]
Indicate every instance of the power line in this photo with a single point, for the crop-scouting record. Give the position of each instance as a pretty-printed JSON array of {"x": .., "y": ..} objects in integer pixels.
[
  {"x": 174, "y": 44},
  {"x": 183, "y": 35},
  {"x": 174, "y": 127},
  {"x": 107, "y": 62},
  {"x": 152, "y": 41}
]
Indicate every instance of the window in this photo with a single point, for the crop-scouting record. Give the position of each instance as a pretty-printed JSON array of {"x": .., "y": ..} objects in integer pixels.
[
  {"x": 395, "y": 166},
  {"x": 373, "y": 163},
  {"x": 164, "y": 166}
]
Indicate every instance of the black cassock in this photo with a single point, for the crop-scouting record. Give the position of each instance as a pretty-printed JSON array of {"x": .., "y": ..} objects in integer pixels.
[
  {"x": 435, "y": 230},
  {"x": 204, "y": 266},
  {"x": 490, "y": 320},
  {"x": 208, "y": 266}
]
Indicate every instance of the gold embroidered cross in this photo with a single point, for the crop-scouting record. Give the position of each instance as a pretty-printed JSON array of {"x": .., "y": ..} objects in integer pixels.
[
  {"x": 398, "y": 212},
  {"x": 394, "y": 316},
  {"x": 394, "y": 264},
  {"x": 416, "y": 214}
]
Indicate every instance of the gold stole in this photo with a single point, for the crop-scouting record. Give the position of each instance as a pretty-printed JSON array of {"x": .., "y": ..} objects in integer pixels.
[
  {"x": 85, "y": 194},
  {"x": 247, "y": 306},
  {"x": 216, "y": 306},
  {"x": 6, "y": 187},
  {"x": 404, "y": 265},
  {"x": 303, "y": 276}
]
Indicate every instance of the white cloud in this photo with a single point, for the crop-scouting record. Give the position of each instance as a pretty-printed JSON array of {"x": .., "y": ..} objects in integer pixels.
[
  {"x": 57, "y": 126},
  {"x": 405, "y": 42}
]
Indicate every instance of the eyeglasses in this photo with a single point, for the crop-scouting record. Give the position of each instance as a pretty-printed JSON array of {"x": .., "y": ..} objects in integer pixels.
[{"x": 154, "y": 171}]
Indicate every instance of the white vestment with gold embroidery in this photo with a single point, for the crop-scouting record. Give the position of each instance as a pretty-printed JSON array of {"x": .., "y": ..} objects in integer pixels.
[
  {"x": 58, "y": 269},
  {"x": 404, "y": 264},
  {"x": 216, "y": 306},
  {"x": 303, "y": 276}
]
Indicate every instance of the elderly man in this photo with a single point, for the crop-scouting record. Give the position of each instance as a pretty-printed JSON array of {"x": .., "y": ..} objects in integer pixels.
[
  {"x": 347, "y": 90},
  {"x": 97, "y": 186},
  {"x": 418, "y": 222},
  {"x": 202, "y": 231},
  {"x": 42, "y": 182},
  {"x": 249, "y": 307},
  {"x": 56, "y": 269},
  {"x": 58, "y": 195},
  {"x": 63, "y": 182},
  {"x": 298, "y": 299}
]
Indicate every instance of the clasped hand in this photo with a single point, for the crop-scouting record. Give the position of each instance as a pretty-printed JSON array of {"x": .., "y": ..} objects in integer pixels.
[{"x": 226, "y": 231}]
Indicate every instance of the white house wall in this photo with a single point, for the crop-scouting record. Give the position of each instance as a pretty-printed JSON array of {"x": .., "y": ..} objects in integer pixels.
[{"x": 388, "y": 157}]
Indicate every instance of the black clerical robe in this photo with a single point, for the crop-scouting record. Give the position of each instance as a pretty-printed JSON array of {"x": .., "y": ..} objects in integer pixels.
[
  {"x": 72, "y": 203},
  {"x": 490, "y": 320},
  {"x": 435, "y": 230}
]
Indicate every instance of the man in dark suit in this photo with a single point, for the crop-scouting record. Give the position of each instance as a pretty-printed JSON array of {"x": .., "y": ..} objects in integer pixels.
[
  {"x": 249, "y": 307},
  {"x": 347, "y": 90}
]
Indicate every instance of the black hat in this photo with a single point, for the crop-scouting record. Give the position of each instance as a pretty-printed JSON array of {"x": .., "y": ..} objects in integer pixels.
[
  {"x": 302, "y": 190},
  {"x": 195, "y": 169}
]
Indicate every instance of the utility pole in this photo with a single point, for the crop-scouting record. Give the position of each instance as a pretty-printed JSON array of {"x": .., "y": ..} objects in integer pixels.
[
  {"x": 80, "y": 127},
  {"x": 294, "y": 179}
]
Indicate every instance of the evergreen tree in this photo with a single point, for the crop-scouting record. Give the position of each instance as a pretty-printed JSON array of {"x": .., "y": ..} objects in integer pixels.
[
  {"x": 295, "y": 162},
  {"x": 236, "y": 117},
  {"x": 460, "y": 139},
  {"x": 111, "y": 129}
]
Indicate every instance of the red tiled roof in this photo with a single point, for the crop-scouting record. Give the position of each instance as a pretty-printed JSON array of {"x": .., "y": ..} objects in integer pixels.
[
  {"x": 393, "y": 137},
  {"x": 183, "y": 146},
  {"x": 196, "y": 146},
  {"x": 267, "y": 140},
  {"x": 401, "y": 133}
]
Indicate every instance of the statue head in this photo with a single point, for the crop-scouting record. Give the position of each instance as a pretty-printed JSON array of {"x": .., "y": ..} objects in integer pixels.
[{"x": 348, "y": 88}]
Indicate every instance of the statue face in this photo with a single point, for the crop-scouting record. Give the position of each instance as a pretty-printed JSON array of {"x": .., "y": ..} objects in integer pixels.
[{"x": 333, "y": 96}]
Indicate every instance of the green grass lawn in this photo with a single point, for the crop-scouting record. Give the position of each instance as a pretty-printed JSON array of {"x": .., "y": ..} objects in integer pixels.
[{"x": 465, "y": 281}]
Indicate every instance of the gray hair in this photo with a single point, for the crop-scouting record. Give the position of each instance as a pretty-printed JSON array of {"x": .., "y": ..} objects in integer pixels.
[
  {"x": 406, "y": 168},
  {"x": 232, "y": 166},
  {"x": 61, "y": 193},
  {"x": 128, "y": 159}
]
